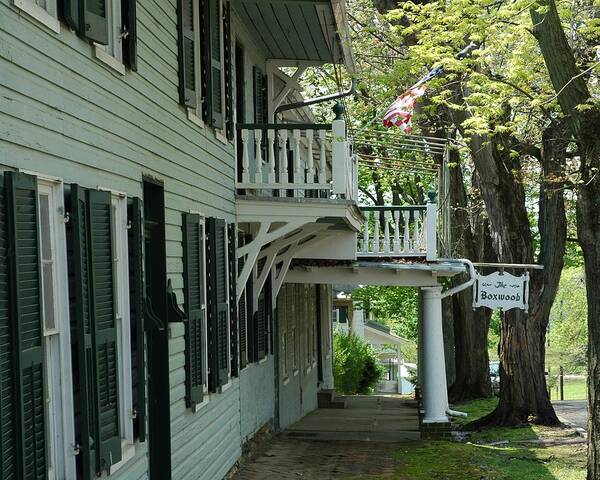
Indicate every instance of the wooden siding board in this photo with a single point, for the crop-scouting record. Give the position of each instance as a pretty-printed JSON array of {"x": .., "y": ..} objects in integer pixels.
[
  {"x": 256, "y": 34},
  {"x": 259, "y": 21},
  {"x": 311, "y": 18},
  {"x": 292, "y": 34},
  {"x": 296, "y": 11},
  {"x": 141, "y": 95},
  {"x": 272, "y": 23}
]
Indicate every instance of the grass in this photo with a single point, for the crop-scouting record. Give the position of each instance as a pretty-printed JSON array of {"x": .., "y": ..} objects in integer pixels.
[
  {"x": 445, "y": 460},
  {"x": 574, "y": 388}
]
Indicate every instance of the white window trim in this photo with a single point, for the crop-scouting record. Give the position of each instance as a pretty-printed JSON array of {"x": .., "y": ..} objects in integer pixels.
[
  {"x": 205, "y": 392},
  {"x": 66, "y": 435},
  {"x": 121, "y": 271},
  {"x": 47, "y": 18},
  {"x": 193, "y": 116},
  {"x": 112, "y": 54},
  {"x": 199, "y": 406},
  {"x": 108, "y": 60}
]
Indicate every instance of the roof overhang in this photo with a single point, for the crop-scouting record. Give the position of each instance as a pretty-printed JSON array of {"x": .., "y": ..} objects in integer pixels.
[
  {"x": 299, "y": 30},
  {"x": 378, "y": 337},
  {"x": 372, "y": 273},
  {"x": 344, "y": 213}
]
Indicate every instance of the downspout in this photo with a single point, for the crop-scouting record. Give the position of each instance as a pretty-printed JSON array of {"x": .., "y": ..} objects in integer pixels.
[
  {"x": 314, "y": 101},
  {"x": 452, "y": 291}
]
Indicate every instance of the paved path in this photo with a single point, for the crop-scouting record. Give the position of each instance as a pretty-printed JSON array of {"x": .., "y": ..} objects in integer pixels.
[
  {"x": 285, "y": 458},
  {"x": 573, "y": 411},
  {"x": 338, "y": 444},
  {"x": 372, "y": 418}
]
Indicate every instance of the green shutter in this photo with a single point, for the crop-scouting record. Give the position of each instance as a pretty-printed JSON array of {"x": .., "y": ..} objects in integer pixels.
[
  {"x": 26, "y": 313},
  {"x": 81, "y": 330},
  {"x": 194, "y": 285},
  {"x": 217, "y": 303},
  {"x": 135, "y": 243},
  {"x": 104, "y": 339},
  {"x": 129, "y": 20},
  {"x": 260, "y": 106},
  {"x": 212, "y": 67},
  {"x": 70, "y": 12},
  {"x": 233, "y": 313},
  {"x": 228, "y": 56},
  {"x": 187, "y": 55},
  {"x": 261, "y": 327},
  {"x": 243, "y": 325},
  {"x": 94, "y": 21},
  {"x": 8, "y": 438}
]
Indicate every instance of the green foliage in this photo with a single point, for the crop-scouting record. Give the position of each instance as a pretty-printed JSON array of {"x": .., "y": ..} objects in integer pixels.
[
  {"x": 356, "y": 369},
  {"x": 568, "y": 324},
  {"x": 396, "y": 307}
]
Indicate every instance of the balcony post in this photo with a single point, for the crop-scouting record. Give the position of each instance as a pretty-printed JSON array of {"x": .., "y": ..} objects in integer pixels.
[
  {"x": 271, "y": 154},
  {"x": 258, "y": 157},
  {"x": 310, "y": 165},
  {"x": 245, "y": 157},
  {"x": 431, "y": 228},
  {"x": 339, "y": 150}
]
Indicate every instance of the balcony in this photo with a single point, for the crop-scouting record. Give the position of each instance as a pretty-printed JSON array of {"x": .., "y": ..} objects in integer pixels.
[
  {"x": 297, "y": 160},
  {"x": 399, "y": 231}
]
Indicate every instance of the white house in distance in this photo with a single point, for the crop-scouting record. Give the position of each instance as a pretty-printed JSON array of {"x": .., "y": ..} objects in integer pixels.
[{"x": 349, "y": 317}]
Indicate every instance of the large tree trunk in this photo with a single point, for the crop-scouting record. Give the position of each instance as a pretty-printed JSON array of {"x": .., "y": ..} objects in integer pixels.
[
  {"x": 523, "y": 393},
  {"x": 472, "y": 376},
  {"x": 584, "y": 125}
]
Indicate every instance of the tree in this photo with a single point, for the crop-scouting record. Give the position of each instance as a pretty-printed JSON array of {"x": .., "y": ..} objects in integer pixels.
[{"x": 583, "y": 118}]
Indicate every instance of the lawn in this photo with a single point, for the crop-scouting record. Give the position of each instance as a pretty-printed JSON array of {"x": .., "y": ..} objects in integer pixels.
[
  {"x": 574, "y": 388},
  {"x": 477, "y": 460}
]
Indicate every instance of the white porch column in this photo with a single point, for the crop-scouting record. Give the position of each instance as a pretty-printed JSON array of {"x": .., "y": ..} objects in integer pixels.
[{"x": 433, "y": 373}]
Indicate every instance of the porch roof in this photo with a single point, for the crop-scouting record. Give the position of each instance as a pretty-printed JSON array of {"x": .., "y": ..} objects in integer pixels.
[{"x": 299, "y": 30}]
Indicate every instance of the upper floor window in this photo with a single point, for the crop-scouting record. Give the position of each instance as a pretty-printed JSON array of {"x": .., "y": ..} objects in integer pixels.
[
  {"x": 44, "y": 11},
  {"x": 205, "y": 62}
]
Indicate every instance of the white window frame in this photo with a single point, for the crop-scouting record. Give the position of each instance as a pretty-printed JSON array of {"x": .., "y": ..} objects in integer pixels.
[
  {"x": 112, "y": 54},
  {"x": 60, "y": 424},
  {"x": 46, "y": 16},
  {"x": 121, "y": 291}
]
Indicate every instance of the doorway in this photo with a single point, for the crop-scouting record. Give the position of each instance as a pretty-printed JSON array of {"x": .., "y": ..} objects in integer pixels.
[{"x": 155, "y": 269}]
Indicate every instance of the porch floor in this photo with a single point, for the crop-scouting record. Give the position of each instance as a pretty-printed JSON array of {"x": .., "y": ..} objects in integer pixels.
[
  {"x": 338, "y": 444},
  {"x": 372, "y": 418}
]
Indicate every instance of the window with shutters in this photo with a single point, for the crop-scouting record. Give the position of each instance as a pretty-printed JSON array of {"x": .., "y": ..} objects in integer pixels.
[
  {"x": 112, "y": 53},
  {"x": 122, "y": 316},
  {"x": 55, "y": 329},
  {"x": 205, "y": 62},
  {"x": 194, "y": 246},
  {"x": 44, "y": 11}
]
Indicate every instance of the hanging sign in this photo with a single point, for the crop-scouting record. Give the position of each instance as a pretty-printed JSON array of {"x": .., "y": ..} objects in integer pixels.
[{"x": 501, "y": 290}]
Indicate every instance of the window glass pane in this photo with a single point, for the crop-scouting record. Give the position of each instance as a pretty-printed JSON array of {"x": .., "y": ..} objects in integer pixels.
[
  {"x": 45, "y": 227},
  {"x": 49, "y": 320}
]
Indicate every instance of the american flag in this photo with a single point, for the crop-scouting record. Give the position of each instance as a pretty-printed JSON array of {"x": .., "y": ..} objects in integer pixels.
[{"x": 401, "y": 111}]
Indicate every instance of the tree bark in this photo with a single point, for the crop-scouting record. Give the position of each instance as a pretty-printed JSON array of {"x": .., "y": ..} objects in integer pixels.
[
  {"x": 523, "y": 393},
  {"x": 472, "y": 376},
  {"x": 584, "y": 125}
]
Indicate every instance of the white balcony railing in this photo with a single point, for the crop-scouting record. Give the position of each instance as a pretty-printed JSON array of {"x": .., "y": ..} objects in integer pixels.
[
  {"x": 300, "y": 160},
  {"x": 399, "y": 231}
]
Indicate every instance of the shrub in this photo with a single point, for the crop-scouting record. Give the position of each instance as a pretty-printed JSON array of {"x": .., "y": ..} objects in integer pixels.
[{"x": 355, "y": 366}]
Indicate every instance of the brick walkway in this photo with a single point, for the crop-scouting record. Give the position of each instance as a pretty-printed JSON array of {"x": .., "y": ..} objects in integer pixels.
[
  {"x": 329, "y": 444},
  {"x": 285, "y": 458}
]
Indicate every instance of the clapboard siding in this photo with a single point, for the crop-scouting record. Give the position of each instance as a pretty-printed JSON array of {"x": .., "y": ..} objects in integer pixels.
[
  {"x": 257, "y": 396},
  {"x": 64, "y": 113},
  {"x": 206, "y": 443}
]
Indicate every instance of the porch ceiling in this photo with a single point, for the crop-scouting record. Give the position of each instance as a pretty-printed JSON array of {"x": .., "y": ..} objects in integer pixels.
[{"x": 301, "y": 30}]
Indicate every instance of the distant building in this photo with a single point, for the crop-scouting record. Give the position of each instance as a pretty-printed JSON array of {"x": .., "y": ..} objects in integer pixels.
[{"x": 348, "y": 317}]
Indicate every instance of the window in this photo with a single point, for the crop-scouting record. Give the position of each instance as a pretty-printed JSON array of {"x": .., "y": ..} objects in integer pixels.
[
  {"x": 205, "y": 78},
  {"x": 194, "y": 271},
  {"x": 57, "y": 366},
  {"x": 112, "y": 52},
  {"x": 122, "y": 316},
  {"x": 294, "y": 351},
  {"x": 44, "y": 11},
  {"x": 284, "y": 356}
]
